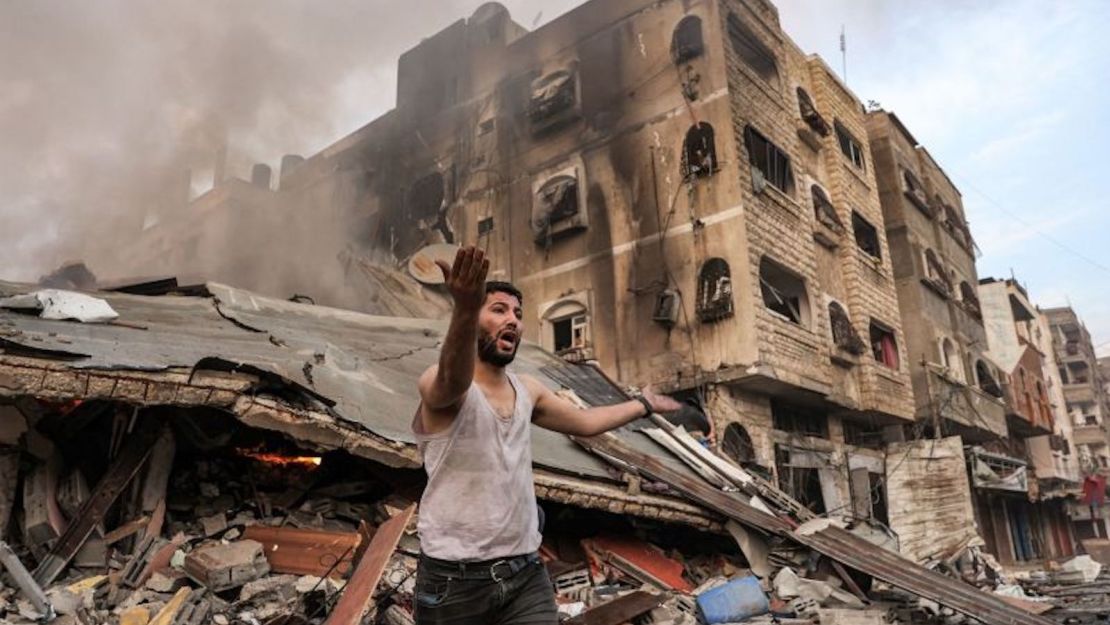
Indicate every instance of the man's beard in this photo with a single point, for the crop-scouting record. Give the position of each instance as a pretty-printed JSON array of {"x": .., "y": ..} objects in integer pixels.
[{"x": 488, "y": 353}]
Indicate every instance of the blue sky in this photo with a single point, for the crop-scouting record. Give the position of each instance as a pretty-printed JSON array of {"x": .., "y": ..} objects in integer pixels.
[{"x": 102, "y": 101}]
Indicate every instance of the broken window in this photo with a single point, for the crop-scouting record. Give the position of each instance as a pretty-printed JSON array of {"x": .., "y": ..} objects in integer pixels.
[
  {"x": 802, "y": 483},
  {"x": 714, "y": 290},
  {"x": 844, "y": 333},
  {"x": 699, "y": 152},
  {"x": 915, "y": 192},
  {"x": 950, "y": 358},
  {"x": 970, "y": 299},
  {"x": 784, "y": 292},
  {"x": 552, "y": 94},
  {"x": 751, "y": 50},
  {"x": 934, "y": 270},
  {"x": 810, "y": 115},
  {"x": 867, "y": 237},
  {"x": 737, "y": 444},
  {"x": 955, "y": 225},
  {"x": 556, "y": 207},
  {"x": 569, "y": 328},
  {"x": 797, "y": 419},
  {"x": 425, "y": 199},
  {"x": 686, "y": 43},
  {"x": 884, "y": 347},
  {"x": 849, "y": 145},
  {"x": 824, "y": 210},
  {"x": 769, "y": 162}
]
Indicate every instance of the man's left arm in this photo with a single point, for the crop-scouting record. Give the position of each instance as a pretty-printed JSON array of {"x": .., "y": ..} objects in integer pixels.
[{"x": 552, "y": 412}]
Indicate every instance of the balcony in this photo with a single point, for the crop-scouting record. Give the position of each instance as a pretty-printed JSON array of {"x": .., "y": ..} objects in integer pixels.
[
  {"x": 1024, "y": 416},
  {"x": 977, "y": 416},
  {"x": 1079, "y": 393},
  {"x": 1089, "y": 435}
]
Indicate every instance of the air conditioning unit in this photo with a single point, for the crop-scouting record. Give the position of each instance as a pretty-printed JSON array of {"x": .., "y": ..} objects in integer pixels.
[{"x": 666, "y": 308}]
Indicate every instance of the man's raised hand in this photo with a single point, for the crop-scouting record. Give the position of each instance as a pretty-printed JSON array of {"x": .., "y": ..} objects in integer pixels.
[{"x": 466, "y": 279}]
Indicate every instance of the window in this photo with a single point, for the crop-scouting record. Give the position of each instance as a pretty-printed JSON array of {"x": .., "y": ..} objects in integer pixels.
[
  {"x": 824, "y": 210},
  {"x": 934, "y": 270},
  {"x": 553, "y": 98},
  {"x": 970, "y": 299},
  {"x": 699, "y": 152},
  {"x": 686, "y": 43},
  {"x": 784, "y": 292},
  {"x": 955, "y": 225},
  {"x": 986, "y": 380},
  {"x": 849, "y": 145},
  {"x": 425, "y": 199},
  {"x": 568, "y": 327},
  {"x": 799, "y": 419},
  {"x": 844, "y": 333},
  {"x": 810, "y": 115},
  {"x": 556, "y": 209},
  {"x": 737, "y": 444},
  {"x": 771, "y": 163},
  {"x": 485, "y": 226},
  {"x": 950, "y": 358},
  {"x": 714, "y": 290},
  {"x": 915, "y": 192},
  {"x": 751, "y": 50},
  {"x": 884, "y": 347},
  {"x": 867, "y": 237}
]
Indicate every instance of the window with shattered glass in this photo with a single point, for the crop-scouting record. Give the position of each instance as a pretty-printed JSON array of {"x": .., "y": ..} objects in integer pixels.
[
  {"x": 551, "y": 94},
  {"x": 714, "y": 290}
]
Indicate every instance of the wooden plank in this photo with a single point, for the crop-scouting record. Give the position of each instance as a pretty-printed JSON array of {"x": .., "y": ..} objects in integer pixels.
[
  {"x": 120, "y": 473},
  {"x": 359, "y": 591},
  {"x": 125, "y": 530},
  {"x": 306, "y": 551},
  {"x": 619, "y": 610}
]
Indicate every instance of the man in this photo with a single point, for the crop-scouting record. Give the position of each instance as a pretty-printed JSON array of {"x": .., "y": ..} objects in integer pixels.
[{"x": 479, "y": 526}]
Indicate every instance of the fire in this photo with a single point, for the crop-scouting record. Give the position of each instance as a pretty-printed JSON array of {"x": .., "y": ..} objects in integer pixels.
[{"x": 279, "y": 459}]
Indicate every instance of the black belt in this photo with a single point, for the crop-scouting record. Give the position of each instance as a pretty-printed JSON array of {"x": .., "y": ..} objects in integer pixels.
[{"x": 494, "y": 570}]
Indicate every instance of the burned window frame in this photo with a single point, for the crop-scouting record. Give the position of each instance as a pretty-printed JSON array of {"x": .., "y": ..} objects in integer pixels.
[
  {"x": 550, "y": 219},
  {"x": 702, "y": 133},
  {"x": 861, "y": 226},
  {"x": 687, "y": 40},
  {"x": 877, "y": 330},
  {"x": 850, "y": 146},
  {"x": 789, "y": 300},
  {"x": 771, "y": 161},
  {"x": 556, "y": 107},
  {"x": 715, "y": 290},
  {"x": 844, "y": 332},
  {"x": 810, "y": 115},
  {"x": 752, "y": 52},
  {"x": 990, "y": 385}
]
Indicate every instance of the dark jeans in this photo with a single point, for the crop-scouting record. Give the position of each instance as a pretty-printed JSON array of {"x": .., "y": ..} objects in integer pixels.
[{"x": 444, "y": 597}]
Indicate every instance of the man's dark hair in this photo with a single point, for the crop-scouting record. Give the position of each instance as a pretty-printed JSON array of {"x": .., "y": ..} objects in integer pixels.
[{"x": 495, "y": 286}]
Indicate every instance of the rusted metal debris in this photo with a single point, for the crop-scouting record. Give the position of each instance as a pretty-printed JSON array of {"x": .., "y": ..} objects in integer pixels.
[
  {"x": 305, "y": 551},
  {"x": 831, "y": 541}
]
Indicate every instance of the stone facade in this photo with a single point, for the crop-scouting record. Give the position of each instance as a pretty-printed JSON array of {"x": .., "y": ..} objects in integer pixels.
[{"x": 1082, "y": 385}]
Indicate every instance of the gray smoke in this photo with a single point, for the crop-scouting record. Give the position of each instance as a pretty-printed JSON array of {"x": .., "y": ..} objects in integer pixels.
[{"x": 104, "y": 105}]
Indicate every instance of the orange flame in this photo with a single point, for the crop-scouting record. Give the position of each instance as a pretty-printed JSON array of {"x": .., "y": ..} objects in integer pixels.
[{"x": 280, "y": 460}]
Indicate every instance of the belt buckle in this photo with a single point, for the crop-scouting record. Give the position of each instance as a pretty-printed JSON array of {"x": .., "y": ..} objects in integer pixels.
[{"x": 493, "y": 570}]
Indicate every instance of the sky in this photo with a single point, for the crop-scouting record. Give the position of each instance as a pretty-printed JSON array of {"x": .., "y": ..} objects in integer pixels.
[{"x": 104, "y": 105}]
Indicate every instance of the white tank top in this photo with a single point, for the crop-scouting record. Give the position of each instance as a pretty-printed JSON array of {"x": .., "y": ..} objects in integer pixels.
[{"x": 480, "y": 501}]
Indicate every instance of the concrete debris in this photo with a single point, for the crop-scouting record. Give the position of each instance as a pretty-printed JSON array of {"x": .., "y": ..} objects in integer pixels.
[
  {"x": 58, "y": 304},
  {"x": 221, "y": 567}
]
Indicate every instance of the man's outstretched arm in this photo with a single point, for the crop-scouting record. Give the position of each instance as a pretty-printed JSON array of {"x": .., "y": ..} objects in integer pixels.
[
  {"x": 443, "y": 386},
  {"x": 555, "y": 413}
]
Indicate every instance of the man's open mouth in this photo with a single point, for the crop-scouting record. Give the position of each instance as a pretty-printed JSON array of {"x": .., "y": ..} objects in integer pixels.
[{"x": 507, "y": 340}]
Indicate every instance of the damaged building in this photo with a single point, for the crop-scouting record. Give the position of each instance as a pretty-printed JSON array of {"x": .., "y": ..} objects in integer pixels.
[{"x": 686, "y": 199}]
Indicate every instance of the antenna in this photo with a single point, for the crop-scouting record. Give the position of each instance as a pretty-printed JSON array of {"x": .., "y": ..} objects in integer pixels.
[{"x": 843, "y": 54}]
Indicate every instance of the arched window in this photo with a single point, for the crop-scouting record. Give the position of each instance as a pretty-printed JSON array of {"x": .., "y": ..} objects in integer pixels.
[
  {"x": 985, "y": 379},
  {"x": 699, "y": 152},
  {"x": 568, "y": 327},
  {"x": 556, "y": 209},
  {"x": 844, "y": 333},
  {"x": 714, "y": 290},
  {"x": 824, "y": 210},
  {"x": 686, "y": 43},
  {"x": 950, "y": 358},
  {"x": 809, "y": 113},
  {"x": 935, "y": 271},
  {"x": 737, "y": 444},
  {"x": 784, "y": 292},
  {"x": 752, "y": 51}
]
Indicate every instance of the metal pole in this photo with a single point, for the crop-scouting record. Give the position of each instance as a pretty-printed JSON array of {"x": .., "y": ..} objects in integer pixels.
[{"x": 26, "y": 583}]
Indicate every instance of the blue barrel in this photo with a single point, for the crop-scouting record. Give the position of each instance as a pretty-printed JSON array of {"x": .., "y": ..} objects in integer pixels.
[{"x": 735, "y": 601}]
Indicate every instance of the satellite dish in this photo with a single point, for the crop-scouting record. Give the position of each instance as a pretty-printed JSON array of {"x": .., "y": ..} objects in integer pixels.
[{"x": 423, "y": 266}]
